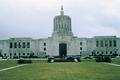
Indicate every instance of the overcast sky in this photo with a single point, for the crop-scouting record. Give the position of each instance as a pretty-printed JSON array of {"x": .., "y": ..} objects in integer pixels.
[{"x": 34, "y": 18}]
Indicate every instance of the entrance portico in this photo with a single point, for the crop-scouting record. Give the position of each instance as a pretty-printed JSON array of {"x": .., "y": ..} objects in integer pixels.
[{"x": 62, "y": 49}]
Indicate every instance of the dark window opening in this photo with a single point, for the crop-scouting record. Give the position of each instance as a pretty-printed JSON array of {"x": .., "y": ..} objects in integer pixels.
[
  {"x": 80, "y": 43},
  {"x": 44, "y": 44},
  {"x": 5, "y": 54},
  {"x": 114, "y": 43},
  {"x": 106, "y": 44},
  {"x": 23, "y": 53},
  {"x": 28, "y": 44},
  {"x": 14, "y": 54},
  {"x": 110, "y": 43},
  {"x": 97, "y": 52},
  {"x": 10, "y": 54},
  {"x": 19, "y": 45},
  {"x": 80, "y": 53},
  {"x": 102, "y": 52},
  {"x": 33, "y": 53},
  {"x": 23, "y": 44},
  {"x": 27, "y": 53},
  {"x": 19, "y": 54},
  {"x": 45, "y": 53},
  {"x": 110, "y": 52},
  {"x": 80, "y": 48},
  {"x": 44, "y": 49},
  {"x": 101, "y": 43},
  {"x": 15, "y": 45},
  {"x": 11, "y": 45},
  {"x": 106, "y": 52},
  {"x": 97, "y": 43}
]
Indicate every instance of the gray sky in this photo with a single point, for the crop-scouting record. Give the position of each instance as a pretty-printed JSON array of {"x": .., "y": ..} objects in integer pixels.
[{"x": 34, "y": 18}]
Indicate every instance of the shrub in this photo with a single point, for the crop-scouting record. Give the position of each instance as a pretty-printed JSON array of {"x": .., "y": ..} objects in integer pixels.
[{"x": 22, "y": 61}]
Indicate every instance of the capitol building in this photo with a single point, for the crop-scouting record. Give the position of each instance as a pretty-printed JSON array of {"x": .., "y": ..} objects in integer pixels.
[{"x": 61, "y": 43}]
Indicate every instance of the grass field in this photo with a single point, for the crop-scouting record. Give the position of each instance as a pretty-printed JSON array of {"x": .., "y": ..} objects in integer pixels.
[
  {"x": 6, "y": 63},
  {"x": 41, "y": 70},
  {"x": 116, "y": 61}
]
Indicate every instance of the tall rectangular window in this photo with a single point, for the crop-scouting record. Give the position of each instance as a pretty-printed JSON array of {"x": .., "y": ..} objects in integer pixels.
[
  {"x": 19, "y": 45},
  {"x": 80, "y": 48},
  {"x": 44, "y": 49},
  {"x": 110, "y": 43},
  {"x": 28, "y": 44},
  {"x": 15, "y": 45},
  {"x": 101, "y": 43},
  {"x": 44, "y": 44},
  {"x": 106, "y": 44},
  {"x": 11, "y": 45},
  {"x": 80, "y": 43},
  {"x": 23, "y": 44},
  {"x": 97, "y": 43},
  {"x": 114, "y": 42}
]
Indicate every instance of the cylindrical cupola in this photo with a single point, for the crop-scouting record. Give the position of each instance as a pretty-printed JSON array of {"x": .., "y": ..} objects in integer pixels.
[{"x": 62, "y": 24}]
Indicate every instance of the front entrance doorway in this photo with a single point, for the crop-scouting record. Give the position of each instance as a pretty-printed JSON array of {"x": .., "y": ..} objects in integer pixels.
[{"x": 62, "y": 49}]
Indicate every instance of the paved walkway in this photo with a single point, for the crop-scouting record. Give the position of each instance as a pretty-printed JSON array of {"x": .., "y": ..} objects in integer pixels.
[
  {"x": 12, "y": 67},
  {"x": 112, "y": 64}
]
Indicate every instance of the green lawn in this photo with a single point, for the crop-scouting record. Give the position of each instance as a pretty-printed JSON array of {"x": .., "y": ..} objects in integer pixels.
[
  {"x": 116, "y": 61},
  {"x": 6, "y": 63},
  {"x": 41, "y": 70}
]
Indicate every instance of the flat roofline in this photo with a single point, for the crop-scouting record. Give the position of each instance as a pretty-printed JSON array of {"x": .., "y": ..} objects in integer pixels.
[{"x": 104, "y": 37}]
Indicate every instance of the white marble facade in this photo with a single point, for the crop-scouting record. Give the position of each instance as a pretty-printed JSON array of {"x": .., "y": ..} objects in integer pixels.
[{"x": 61, "y": 43}]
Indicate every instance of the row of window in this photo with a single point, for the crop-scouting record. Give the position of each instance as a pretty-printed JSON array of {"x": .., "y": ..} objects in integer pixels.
[
  {"x": 19, "y": 44},
  {"x": 106, "y": 52},
  {"x": 20, "y": 54},
  {"x": 106, "y": 43}
]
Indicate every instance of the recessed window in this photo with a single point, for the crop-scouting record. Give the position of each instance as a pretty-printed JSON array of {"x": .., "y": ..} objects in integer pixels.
[
  {"x": 101, "y": 43},
  {"x": 44, "y": 44},
  {"x": 15, "y": 45},
  {"x": 28, "y": 44},
  {"x": 45, "y": 53},
  {"x": 44, "y": 49},
  {"x": 106, "y": 43},
  {"x": 80, "y": 43},
  {"x": 110, "y": 52},
  {"x": 5, "y": 54},
  {"x": 19, "y": 45},
  {"x": 80, "y": 48},
  {"x": 33, "y": 53},
  {"x": 102, "y": 52},
  {"x": 110, "y": 43},
  {"x": 19, "y": 54},
  {"x": 27, "y": 53},
  {"x": 114, "y": 43},
  {"x": 11, "y": 45},
  {"x": 93, "y": 53},
  {"x": 10, "y": 54},
  {"x": 23, "y": 44},
  {"x": 23, "y": 53},
  {"x": 97, "y": 52},
  {"x": 97, "y": 43},
  {"x": 106, "y": 52},
  {"x": 80, "y": 53},
  {"x": 14, "y": 54}
]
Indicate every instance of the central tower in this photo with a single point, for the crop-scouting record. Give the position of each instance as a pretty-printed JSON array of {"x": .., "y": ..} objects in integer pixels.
[{"x": 62, "y": 25}]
